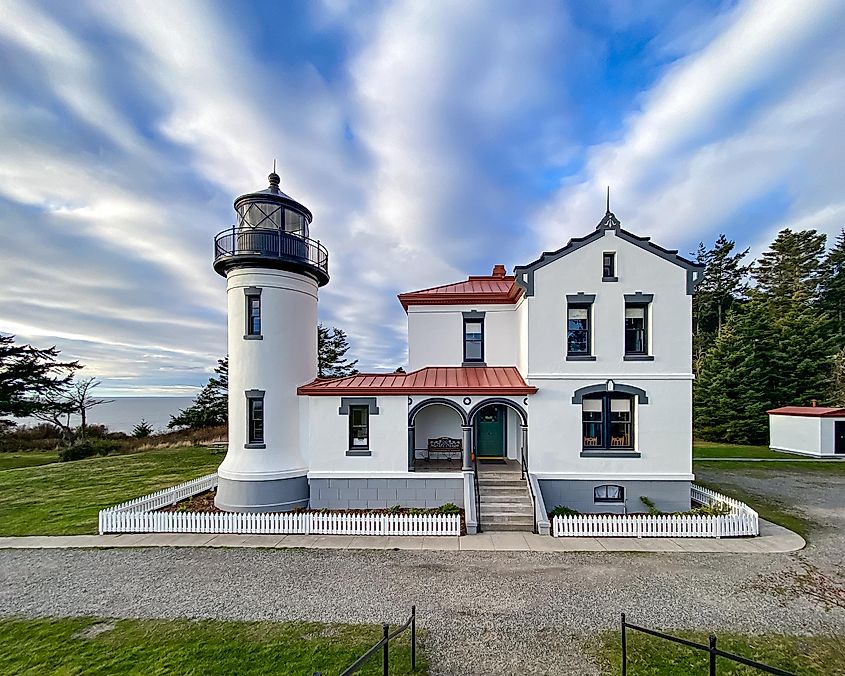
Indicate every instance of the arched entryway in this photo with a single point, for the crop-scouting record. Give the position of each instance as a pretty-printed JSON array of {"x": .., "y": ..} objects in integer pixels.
[
  {"x": 438, "y": 436},
  {"x": 500, "y": 430}
]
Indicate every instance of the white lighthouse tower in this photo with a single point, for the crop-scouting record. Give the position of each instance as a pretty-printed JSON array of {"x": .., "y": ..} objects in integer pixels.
[{"x": 273, "y": 271}]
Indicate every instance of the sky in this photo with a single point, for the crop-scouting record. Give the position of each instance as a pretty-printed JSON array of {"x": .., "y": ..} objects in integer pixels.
[{"x": 430, "y": 139}]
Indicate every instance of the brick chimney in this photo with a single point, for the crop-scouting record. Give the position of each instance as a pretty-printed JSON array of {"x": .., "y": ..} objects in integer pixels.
[
  {"x": 815, "y": 402},
  {"x": 499, "y": 271}
]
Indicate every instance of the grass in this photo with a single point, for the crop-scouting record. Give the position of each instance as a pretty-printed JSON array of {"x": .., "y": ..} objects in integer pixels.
[
  {"x": 64, "y": 498},
  {"x": 27, "y": 459},
  {"x": 710, "y": 449},
  {"x": 158, "y": 647},
  {"x": 650, "y": 656}
]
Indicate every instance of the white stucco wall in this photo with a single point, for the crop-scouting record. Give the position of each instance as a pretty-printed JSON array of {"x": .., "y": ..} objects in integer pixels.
[
  {"x": 283, "y": 359},
  {"x": 798, "y": 434},
  {"x": 662, "y": 433},
  {"x": 328, "y": 439},
  {"x": 436, "y": 421},
  {"x": 435, "y": 335}
]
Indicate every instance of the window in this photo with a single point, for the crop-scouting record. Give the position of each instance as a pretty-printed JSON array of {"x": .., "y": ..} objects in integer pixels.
[
  {"x": 578, "y": 330},
  {"x": 255, "y": 418},
  {"x": 609, "y": 493},
  {"x": 253, "y": 315},
  {"x": 636, "y": 329},
  {"x": 359, "y": 428},
  {"x": 608, "y": 266},
  {"x": 608, "y": 422},
  {"x": 473, "y": 340}
]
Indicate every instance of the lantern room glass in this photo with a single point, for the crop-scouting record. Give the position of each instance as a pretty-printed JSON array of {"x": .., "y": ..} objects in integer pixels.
[{"x": 271, "y": 216}]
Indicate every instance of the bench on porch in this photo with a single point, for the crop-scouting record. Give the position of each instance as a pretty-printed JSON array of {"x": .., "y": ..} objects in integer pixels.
[{"x": 446, "y": 446}]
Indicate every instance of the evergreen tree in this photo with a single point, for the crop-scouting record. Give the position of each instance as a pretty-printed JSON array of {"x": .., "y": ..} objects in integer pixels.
[
  {"x": 724, "y": 283},
  {"x": 793, "y": 263},
  {"x": 736, "y": 381},
  {"x": 31, "y": 379},
  {"x": 833, "y": 286},
  {"x": 837, "y": 395},
  {"x": 211, "y": 407},
  {"x": 332, "y": 346},
  {"x": 142, "y": 430}
]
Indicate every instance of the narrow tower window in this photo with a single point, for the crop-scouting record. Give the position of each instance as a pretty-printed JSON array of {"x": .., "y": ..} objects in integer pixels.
[
  {"x": 255, "y": 419},
  {"x": 253, "y": 312}
]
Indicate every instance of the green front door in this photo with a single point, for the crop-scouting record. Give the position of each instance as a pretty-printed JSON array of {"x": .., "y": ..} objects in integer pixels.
[{"x": 490, "y": 431}]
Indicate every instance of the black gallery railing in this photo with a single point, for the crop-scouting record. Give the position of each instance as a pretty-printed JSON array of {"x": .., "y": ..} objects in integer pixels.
[
  {"x": 711, "y": 648},
  {"x": 271, "y": 243}
]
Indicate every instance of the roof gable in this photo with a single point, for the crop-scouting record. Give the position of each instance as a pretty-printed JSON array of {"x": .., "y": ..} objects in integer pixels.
[{"x": 525, "y": 273}]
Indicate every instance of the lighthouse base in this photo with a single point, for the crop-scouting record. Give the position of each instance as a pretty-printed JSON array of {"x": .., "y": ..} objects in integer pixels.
[{"x": 272, "y": 495}]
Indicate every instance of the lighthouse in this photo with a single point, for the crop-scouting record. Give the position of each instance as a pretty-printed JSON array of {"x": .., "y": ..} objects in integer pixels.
[{"x": 273, "y": 271}]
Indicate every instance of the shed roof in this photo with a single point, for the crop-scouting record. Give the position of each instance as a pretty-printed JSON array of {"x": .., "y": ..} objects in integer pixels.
[
  {"x": 444, "y": 380},
  {"x": 809, "y": 411}
]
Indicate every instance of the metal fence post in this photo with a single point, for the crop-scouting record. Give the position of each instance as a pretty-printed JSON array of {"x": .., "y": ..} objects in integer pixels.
[
  {"x": 624, "y": 648},
  {"x": 712, "y": 655},
  {"x": 413, "y": 638},
  {"x": 385, "y": 658}
]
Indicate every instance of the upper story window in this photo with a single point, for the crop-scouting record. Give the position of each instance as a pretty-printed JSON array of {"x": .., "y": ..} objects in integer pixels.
[
  {"x": 608, "y": 422},
  {"x": 608, "y": 267},
  {"x": 578, "y": 330},
  {"x": 473, "y": 340},
  {"x": 359, "y": 427},
  {"x": 636, "y": 329}
]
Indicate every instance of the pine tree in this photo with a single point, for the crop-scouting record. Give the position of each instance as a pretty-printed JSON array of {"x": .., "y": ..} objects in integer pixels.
[
  {"x": 724, "y": 283},
  {"x": 793, "y": 263},
  {"x": 211, "y": 407},
  {"x": 332, "y": 346},
  {"x": 31, "y": 379},
  {"x": 833, "y": 286},
  {"x": 736, "y": 381},
  {"x": 837, "y": 394}
]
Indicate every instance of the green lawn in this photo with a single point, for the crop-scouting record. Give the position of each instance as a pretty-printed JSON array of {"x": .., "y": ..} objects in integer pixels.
[
  {"x": 711, "y": 449},
  {"x": 64, "y": 498},
  {"x": 27, "y": 459},
  {"x": 158, "y": 647},
  {"x": 650, "y": 656}
]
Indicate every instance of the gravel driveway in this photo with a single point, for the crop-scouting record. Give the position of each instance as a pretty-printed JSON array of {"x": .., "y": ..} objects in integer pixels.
[{"x": 485, "y": 611}]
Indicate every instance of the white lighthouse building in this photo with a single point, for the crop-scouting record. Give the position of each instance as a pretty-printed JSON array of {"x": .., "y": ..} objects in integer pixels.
[{"x": 273, "y": 271}]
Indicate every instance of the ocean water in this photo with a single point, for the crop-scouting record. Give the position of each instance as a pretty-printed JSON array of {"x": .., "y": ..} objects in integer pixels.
[{"x": 123, "y": 413}]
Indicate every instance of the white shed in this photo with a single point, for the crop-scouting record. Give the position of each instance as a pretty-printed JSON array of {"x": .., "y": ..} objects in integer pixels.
[{"x": 809, "y": 430}]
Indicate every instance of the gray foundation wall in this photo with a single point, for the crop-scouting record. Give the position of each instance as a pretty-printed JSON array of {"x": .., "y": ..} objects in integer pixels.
[
  {"x": 273, "y": 495},
  {"x": 668, "y": 496},
  {"x": 377, "y": 493}
]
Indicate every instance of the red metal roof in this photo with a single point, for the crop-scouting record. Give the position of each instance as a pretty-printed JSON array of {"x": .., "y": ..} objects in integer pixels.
[
  {"x": 814, "y": 411},
  {"x": 432, "y": 380},
  {"x": 496, "y": 288}
]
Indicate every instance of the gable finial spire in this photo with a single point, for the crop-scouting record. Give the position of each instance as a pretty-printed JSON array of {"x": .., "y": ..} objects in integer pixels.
[{"x": 608, "y": 200}]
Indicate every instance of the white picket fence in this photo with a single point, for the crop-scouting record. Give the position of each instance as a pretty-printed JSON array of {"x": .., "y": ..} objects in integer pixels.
[
  {"x": 138, "y": 516},
  {"x": 741, "y": 521}
]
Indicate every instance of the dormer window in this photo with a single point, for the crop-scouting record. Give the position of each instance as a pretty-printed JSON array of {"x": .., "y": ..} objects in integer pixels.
[{"x": 608, "y": 267}]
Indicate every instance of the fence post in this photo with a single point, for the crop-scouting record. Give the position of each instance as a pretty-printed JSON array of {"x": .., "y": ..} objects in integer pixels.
[
  {"x": 385, "y": 659},
  {"x": 624, "y": 648},
  {"x": 712, "y": 655},
  {"x": 413, "y": 638}
]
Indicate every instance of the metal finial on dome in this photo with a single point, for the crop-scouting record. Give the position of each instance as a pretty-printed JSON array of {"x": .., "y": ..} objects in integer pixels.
[{"x": 274, "y": 177}]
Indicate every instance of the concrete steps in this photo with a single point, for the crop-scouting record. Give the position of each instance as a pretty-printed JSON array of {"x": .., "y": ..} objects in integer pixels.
[{"x": 505, "y": 501}]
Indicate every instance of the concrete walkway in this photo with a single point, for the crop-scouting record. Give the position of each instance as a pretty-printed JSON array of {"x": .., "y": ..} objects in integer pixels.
[{"x": 773, "y": 539}]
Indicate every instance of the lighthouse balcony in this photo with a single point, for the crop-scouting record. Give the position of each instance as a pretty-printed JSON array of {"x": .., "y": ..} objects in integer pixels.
[{"x": 271, "y": 247}]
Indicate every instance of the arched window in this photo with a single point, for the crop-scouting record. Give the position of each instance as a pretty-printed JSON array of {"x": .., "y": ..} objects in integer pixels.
[
  {"x": 608, "y": 421},
  {"x": 609, "y": 493}
]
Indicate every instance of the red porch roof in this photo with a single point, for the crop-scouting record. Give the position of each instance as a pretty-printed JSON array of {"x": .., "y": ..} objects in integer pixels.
[
  {"x": 503, "y": 380},
  {"x": 496, "y": 288},
  {"x": 813, "y": 411}
]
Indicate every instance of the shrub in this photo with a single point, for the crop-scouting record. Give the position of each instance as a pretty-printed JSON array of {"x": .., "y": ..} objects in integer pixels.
[
  {"x": 713, "y": 509},
  {"x": 560, "y": 510},
  {"x": 394, "y": 509},
  {"x": 448, "y": 508},
  {"x": 88, "y": 449}
]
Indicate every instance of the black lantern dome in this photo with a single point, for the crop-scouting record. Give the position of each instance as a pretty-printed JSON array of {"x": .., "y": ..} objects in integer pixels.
[{"x": 271, "y": 231}]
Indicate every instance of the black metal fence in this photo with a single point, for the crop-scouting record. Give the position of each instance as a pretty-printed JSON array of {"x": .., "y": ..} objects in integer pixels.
[
  {"x": 384, "y": 647},
  {"x": 271, "y": 243},
  {"x": 711, "y": 648}
]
